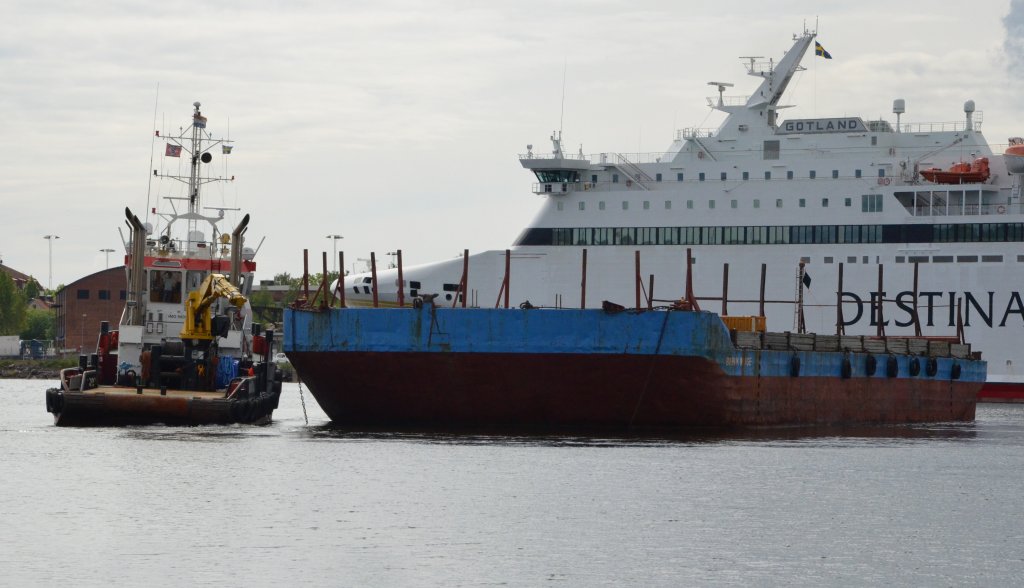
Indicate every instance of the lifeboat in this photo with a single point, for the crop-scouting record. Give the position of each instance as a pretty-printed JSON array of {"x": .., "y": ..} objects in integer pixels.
[
  {"x": 1014, "y": 156},
  {"x": 959, "y": 173}
]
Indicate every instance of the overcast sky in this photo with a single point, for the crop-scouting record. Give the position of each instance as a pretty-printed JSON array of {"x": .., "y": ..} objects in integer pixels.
[{"x": 397, "y": 124}]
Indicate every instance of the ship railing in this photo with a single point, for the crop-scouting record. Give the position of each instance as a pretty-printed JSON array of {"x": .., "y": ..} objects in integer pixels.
[
  {"x": 561, "y": 187},
  {"x": 532, "y": 155},
  {"x": 694, "y": 133},
  {"x": 715, "y": 101},
  {"x": 955, "y": 209},
  {"x": 943, "y": 127}
]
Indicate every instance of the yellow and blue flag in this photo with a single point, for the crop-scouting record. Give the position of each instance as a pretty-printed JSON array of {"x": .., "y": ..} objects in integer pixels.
[{"x": 819, "y": 50}]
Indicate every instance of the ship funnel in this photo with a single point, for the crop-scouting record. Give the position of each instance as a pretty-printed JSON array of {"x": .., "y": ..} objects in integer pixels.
[
  {"x": 969, "y": 111},
  {"x": 899, "y": 106}
]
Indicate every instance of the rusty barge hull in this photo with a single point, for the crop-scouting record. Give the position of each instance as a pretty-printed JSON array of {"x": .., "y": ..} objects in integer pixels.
[{"x": 587, "y": 368}]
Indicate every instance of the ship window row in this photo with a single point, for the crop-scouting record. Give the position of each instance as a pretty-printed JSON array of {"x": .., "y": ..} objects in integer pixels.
[
  {"x": 776, "y": 235},
  {"x": 722, "y": 176},
  {"x": 869, "y": 203}
]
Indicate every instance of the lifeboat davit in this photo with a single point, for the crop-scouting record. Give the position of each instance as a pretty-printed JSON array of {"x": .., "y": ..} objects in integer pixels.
[
  {"x": 1014, "y": 156},
  {"x": 959, "y": 173}
]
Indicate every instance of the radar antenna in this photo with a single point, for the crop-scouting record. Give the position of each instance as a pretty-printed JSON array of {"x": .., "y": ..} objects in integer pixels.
[{"x": 721, "y": 90}]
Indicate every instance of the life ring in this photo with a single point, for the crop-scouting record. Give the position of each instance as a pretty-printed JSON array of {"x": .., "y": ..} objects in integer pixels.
[
  {"x": 884, "y": 181},
  {"x": 1001, "y": 209}
]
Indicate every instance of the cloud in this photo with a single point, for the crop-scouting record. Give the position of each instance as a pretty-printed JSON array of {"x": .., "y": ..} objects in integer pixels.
[{"x": 1014, "y": 43}]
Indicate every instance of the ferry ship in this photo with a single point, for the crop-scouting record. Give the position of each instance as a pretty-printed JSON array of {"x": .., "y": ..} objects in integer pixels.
[{"x": 846, "y": 196}]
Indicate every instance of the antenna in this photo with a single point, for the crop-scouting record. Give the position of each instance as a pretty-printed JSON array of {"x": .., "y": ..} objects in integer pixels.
[
  {"x": 561, "y": 116},
  {"x": 152, "y": 144},
  {"x": 721, "y": 88}
]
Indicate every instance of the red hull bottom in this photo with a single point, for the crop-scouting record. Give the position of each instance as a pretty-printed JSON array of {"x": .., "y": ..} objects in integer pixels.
[
  {"x": 623, "y": 391},
  {"x": 1002, "y": 392}
]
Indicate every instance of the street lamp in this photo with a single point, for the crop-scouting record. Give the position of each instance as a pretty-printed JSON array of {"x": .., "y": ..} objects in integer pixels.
[
  {"x": 334, "y": 240},
  {"x": 49, "y": 239},
  {"x": 108, "y": 252}
]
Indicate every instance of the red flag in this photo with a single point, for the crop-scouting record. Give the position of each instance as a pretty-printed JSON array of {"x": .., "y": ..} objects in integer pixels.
[{"x": 173, "y": 150}]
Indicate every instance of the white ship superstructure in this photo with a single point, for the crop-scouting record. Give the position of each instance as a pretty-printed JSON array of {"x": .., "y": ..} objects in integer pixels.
[{"x": 762, "y": 189}]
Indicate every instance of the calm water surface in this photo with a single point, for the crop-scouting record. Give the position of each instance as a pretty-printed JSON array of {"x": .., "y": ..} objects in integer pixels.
[{"x": 297, "y": 504}]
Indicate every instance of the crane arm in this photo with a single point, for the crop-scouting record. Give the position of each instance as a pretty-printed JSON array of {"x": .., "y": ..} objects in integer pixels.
[{"x": 197, "y": 306}]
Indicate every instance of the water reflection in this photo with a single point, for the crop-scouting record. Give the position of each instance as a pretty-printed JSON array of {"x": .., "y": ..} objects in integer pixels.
[{"x": 818, "y": 435}]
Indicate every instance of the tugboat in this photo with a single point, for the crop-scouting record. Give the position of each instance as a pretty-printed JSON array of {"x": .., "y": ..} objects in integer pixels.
[{"x": 177, "y": 359}]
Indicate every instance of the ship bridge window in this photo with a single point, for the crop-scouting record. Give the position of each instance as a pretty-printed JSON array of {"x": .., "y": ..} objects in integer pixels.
[
  {"x": 615, "y": 178},
  {"x": 803, "y": 203},
  {"x": 700, "y": 176},
  {"x": 813, "y": 174},
  {"x": 856, "y": 173},
  {"x": 165, "y": 286},
  {"x": 561, "y": 237},
  {"x": 881, "y": 172},
  {"x": 789, "y": 175},
  {"x": 602, "y": 236},
  {"x": 657, "y": 177},
  {"x": 647, "y": 236},
  {"x": 724, "y": 176},
  {"x": 668, "y": 235},
  {"x": 557, "y": 176},
  {"x": 824, "y": 202},
  {"x": 771, "y": 149},
  {"x": 848, "y": 202},
  {"x": 450, "y": 287},
  {"x": 767, "y": 175},
  {"x": 835, "y": 174},
  {"x": 103, "y": 294},
  {"x": 746, "y": 176},
  {"x": 679, "y": 177}
]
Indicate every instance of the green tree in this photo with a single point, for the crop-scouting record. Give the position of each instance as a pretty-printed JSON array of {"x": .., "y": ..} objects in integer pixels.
[
  {"x": 38, "y": 325},
  {"x": 32, "y": 289},
  {"x": 12, "y": 306}
]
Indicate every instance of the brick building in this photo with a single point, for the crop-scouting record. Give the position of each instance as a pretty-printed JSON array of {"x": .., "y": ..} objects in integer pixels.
[{"x": 83, "y": 304}]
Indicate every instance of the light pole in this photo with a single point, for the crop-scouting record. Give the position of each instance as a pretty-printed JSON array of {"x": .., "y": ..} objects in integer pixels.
[
  {"x": 108, "y": 252},
  {"x": 334, "y": 240},
  {"x": 49, "y": 239}
]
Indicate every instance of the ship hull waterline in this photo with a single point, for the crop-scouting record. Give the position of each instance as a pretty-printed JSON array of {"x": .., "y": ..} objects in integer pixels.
[{"x": 122, "y": 406}]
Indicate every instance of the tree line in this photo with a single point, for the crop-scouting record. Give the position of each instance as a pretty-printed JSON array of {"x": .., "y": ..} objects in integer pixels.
[{"x": 16, "y": 318}]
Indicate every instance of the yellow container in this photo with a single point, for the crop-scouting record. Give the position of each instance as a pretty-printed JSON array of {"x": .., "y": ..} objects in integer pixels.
[{"x": 744, "y": 323}]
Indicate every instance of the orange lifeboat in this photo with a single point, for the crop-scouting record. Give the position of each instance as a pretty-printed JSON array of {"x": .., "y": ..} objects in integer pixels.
[
  {"x": 959, "y": 173},
  {"x": 1014, "y": 156}
]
